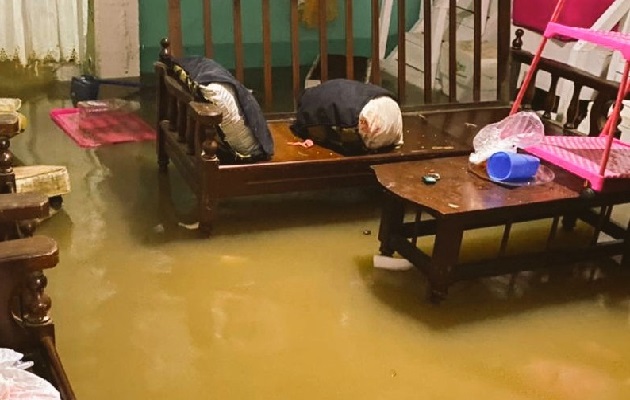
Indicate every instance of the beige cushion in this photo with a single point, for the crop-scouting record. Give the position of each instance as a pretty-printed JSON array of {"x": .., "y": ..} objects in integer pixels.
[{"x": 51, "y": 180}]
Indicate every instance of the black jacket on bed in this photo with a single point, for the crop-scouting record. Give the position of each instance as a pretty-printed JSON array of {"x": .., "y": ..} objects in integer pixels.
[
  {"x": 329, "y": 113},
  {"x": 204, "y": 71}
]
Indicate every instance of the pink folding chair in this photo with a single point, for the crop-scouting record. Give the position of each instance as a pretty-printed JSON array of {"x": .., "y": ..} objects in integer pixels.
[{"x": 597, "y": 159}]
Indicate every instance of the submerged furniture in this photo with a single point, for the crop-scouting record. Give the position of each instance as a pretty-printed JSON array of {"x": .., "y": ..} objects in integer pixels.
[
  {"x": 187, "y": 128},
  {"x": 25, "y": 325},
  {"x": 462, "y": 200},
  {"x": 51, "y": 180}
]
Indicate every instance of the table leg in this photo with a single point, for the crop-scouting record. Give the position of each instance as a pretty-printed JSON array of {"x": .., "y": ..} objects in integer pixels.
[
  {"x": 625, "y": 257},
  {"x": 392, "y": 218},
  {"x": 448, "y": 240}
]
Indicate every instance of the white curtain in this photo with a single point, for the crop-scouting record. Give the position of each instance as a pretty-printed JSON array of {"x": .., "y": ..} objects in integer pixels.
[{"x": 45, "y": 30}]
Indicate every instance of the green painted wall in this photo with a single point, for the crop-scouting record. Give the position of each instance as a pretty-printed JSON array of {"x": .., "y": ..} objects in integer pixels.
[{"x": 153, "y": 26}]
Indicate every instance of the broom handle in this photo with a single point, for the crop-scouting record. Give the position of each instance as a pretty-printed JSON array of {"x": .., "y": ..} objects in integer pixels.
[{"x": 534, "y": 65}]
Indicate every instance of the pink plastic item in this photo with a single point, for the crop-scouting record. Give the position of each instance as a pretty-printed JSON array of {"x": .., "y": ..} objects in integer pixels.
[
  {"x": 106, "y": 128},
  {"x": 535, "y": 14},
  {"x": 612, "y": 40},
  {"x": 595, "y": 159},
  {"x": 582, "y": 156}
]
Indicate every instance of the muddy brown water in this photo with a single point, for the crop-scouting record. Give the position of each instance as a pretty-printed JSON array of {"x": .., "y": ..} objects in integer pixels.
[{"x": 283, "y": 301}]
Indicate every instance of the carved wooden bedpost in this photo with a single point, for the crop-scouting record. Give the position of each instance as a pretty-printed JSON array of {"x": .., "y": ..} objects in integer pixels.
[
  {"x": 207, "y": 118},
  {"x": 162, "y": 106},
  {"x": 7, "y": 178},
  {"x": 515, "y": 68}
]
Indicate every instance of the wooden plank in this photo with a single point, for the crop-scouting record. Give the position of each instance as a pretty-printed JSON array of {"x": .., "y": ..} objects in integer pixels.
[
  {"x": 428, "y": 81},
  {"x": 175, "y": 27},
  {"x": 295, "y": 51},
  {"x": 267, "y": 59},
  {"x": 238, "y": 40},
  {"x": 375, "y": 67},
  {"x": 207, "y": 28},
  {"x": 503, "y": 50},
  {"x": 452, "y": 48},
  {"x": 402, "y": 52},
  {"x": 323, "y": 40},
  {"x": 349, "y": 40},
  {"x": 477, "y": 51}
]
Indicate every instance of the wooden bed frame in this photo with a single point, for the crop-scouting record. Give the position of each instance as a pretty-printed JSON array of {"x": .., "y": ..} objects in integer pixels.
[{"x": 438, "y": 127}]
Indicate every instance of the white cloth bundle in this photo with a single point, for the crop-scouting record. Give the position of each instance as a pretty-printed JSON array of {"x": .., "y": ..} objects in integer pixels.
[
  {"x": 18, "y": 384},
  {"x": 380, "y": 123}
]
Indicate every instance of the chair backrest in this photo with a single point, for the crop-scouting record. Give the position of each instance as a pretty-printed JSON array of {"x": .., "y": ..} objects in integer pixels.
[{"x": 349, "y": 18}]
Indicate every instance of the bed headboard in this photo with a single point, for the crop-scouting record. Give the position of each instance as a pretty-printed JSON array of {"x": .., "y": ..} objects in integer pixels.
[{"x": 447, "y": 14}]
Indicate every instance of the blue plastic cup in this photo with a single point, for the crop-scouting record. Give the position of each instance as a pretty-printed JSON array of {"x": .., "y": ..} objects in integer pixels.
[{"x": 504, "y": 166}]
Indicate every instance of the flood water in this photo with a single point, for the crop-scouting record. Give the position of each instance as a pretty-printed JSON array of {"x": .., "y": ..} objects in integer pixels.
[{"x": 283, "y": 301}]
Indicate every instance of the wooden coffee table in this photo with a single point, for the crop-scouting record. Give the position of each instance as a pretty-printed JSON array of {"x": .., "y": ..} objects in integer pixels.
[{"x": 462, "y": 200}]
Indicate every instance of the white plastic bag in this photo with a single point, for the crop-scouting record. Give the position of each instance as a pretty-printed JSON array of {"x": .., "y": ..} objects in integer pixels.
[
  {"x": 519, "y": 130},
  {"x": 18, "y": 384}
]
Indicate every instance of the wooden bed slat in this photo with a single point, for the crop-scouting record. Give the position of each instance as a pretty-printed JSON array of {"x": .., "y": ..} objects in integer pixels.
[
  {"x": 452, "y": 48},
  {"x": 477, "y": 51},
  {"x": 267, "y": 58},
  {"x": 238, "y": 40},
  {"x": 504, "y": 10},
  {"x": 295, "y": 51},
  {"x": 503, "y": 50},
  {"x": 349, "y": 40},
  {"x": 402, "y": 52},
  {"x": 175, "y": 27},
  {"x": 207, "y": 28},
  {"x": 323, "y": 40},
  {"x": 376, "y": 68},
  {"x": 428, "y": 81}
]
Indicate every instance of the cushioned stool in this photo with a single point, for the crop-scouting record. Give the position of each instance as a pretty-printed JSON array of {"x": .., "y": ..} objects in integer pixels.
[{"x": 50, "y": 180}]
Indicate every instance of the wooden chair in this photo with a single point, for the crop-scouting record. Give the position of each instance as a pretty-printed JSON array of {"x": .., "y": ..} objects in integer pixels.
[{"x": 25, "y": 325}]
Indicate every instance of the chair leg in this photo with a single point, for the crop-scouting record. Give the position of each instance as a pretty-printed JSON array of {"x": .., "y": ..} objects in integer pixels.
[{"x": 207, "y": 208}]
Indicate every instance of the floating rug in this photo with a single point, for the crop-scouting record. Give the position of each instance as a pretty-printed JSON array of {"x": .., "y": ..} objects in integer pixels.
[{"x": 97, "y": 129}]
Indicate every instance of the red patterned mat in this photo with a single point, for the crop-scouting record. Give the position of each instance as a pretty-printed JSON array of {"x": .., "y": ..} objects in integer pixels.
[{"x": 104, "y": 128}]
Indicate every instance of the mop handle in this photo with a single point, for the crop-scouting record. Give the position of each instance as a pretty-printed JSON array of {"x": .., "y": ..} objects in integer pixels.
[
  {"x": 534, "y": 65},
  {"x": 612, "y": 120}
]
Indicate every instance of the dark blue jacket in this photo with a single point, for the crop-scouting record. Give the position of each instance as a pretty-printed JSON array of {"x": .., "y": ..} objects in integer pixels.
[
  {"x": 337, "y": 102},
  {"x": 204, "y": 71}
]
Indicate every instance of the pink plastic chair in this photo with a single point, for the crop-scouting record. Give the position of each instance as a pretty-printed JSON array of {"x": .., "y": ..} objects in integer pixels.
[{"x": 597, "y": 159}]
